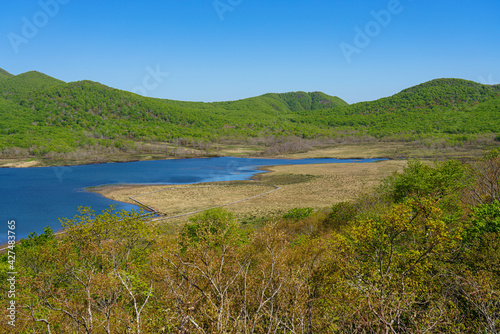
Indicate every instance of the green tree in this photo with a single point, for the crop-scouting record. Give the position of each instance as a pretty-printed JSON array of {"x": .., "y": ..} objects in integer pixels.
[
  {"x": 93, "y": 278},
  {"x": 395, "y": 255}
]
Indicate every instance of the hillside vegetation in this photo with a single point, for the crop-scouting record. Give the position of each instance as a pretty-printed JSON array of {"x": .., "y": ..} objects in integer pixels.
[
  {"x": 439, "y": 107},
  {"x": 5, "y": 74},
  {"x": 418, "y": 254},
  {"x": 40, "y": 115}
]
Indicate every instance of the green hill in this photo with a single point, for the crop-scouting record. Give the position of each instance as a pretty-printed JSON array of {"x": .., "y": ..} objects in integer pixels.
[
  {"x": 286, "y": 102},
  {"x": 5, "y": 74},
  {"x": 435, "y": 108},
  {"x": 22, "y": 84},
  {"x": 302, "y": 101},
  {"x": 435, "y": 94},
  {"x": 45, "y": 114}
]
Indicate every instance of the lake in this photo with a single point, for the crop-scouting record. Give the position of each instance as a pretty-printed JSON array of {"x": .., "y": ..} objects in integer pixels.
[{"x": 37, "y": 197}]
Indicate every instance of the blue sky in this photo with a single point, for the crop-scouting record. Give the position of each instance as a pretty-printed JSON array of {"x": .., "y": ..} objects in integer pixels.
[{"x": 198, "y": 50}]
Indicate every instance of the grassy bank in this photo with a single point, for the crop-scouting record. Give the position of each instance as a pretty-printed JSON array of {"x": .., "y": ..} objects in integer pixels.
[
  {"x": 366, "y": 150},
  {"x": 316, "y": 186}
]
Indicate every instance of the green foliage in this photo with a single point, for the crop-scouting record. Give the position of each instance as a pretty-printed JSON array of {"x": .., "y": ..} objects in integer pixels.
[
  {"x": 445, "y": 108},
  {"x": 28, "y": 252},
  {"x": 35, "y": 239},
  {"x": 485, "y": 218},
  {"x": 88, "y": 228},
  {"x": 214, "y": 227},
  {"x": 484, "y": 175},
  {"x": 45, "y": 115},
  {"x": 302, "y": 101},
  {"x": 298, "y": 213},
  {"x": 483, "y": 254},
  {"x": 340, "y": 215},
  {"x": 4, "y": 74},
  {"x": 442, "y": 181},
  {"x": 20, "y": 85}
]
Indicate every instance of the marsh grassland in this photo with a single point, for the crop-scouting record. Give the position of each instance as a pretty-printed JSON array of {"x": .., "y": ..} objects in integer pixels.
[{"x": 316, "y": 186}]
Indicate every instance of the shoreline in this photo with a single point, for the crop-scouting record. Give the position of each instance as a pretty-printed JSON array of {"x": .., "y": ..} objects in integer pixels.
[
  {"x": 313, "y": 185},
  {"x": 384, "y": 150},
  {"x": 104, "y": 189},
  {"x": 36, "y": 164},
  {"x": 265, "y": 169}
]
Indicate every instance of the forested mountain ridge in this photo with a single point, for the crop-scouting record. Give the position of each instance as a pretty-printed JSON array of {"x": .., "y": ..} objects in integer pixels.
[
  {"x": 43, "y": 114},
  {"x": 4, "y": 73},
  {"x": 437, "y": 107},
  {"x": 302, "y": 101},
  {"x": 18, "y": 86},
  {"x": 455, "y": 93}
]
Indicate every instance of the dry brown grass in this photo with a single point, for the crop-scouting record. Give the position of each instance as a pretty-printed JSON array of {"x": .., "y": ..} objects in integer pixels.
[
  {"x": 239, "y": 150},
  {"x": 317, "y": 186},
  {"x": 154, "y": 151},
  {"x": 16, "y": 163},
  {"x": 387, "y": 150},
  {"x": 182, "y": 199}
]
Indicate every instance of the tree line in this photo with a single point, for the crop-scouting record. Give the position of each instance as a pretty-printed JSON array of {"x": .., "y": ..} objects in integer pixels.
[{"x": 40, "y": 115}]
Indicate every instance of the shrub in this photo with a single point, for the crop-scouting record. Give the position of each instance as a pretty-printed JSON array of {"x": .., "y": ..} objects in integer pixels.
[
  {"x": 213, "y": 227},
  {"x": 298, "y": 213},
  {"x": 340, "y": 215},
  {"x": 485, "y": 219},
  {"x": 444, "y": 180}
]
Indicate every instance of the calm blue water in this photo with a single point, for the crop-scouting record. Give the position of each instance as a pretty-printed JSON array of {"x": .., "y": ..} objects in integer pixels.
[{"x": 37, "y": 197}]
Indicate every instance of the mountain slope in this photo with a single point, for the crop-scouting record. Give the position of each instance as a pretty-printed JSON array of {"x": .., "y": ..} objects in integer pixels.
[
  {"x": 435, "y": 94},
  {"x": 22, "y": 84},
  {"x": 92, "y": 106},
  {"x": 271, "y": 102},
  {"x": 5, "y": 74},
  {"x": 85, "y": 112},
  {"x": 45, "y": 114},
  {"x": 302, "y": 101},
  {"x": 441, "y": 106}
]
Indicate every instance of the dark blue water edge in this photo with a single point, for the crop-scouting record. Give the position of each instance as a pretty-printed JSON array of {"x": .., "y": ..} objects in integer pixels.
[{"x": 38, "y": 197}]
